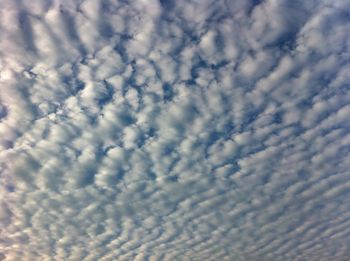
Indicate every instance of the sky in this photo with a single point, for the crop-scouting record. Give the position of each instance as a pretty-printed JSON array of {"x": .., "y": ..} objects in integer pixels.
[{"x": 154, "y": 130}]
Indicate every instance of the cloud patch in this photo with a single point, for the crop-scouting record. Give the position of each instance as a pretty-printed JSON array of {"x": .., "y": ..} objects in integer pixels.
[{"x": 174, "y": 130}]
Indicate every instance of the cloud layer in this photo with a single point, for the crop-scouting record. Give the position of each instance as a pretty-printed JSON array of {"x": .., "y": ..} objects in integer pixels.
[{"x": 174, "y": 130}]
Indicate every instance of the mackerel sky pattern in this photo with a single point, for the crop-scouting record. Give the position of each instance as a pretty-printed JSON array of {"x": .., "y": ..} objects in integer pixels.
[{"x": 175, "y": 130}]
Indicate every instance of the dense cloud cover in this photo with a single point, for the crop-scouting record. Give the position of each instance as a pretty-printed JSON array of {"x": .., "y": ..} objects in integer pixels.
[{"x": 175, "y": 130}]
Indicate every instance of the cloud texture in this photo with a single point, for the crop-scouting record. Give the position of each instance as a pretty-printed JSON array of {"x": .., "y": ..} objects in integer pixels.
[{"x": 175, "y": 130}]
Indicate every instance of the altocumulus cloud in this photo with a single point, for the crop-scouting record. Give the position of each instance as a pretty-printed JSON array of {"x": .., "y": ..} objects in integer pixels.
[{"x": 175, "y": 130}]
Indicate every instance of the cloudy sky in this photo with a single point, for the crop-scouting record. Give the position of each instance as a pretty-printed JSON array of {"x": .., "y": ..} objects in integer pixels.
[{"x": 175, "y": 130}]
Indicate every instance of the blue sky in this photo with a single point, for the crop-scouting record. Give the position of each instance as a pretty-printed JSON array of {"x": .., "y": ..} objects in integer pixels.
[{"x": 174, "y": 130}]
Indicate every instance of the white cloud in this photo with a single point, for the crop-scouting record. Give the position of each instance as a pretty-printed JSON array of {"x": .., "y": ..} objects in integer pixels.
[{"x": 174, "y": 130}]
